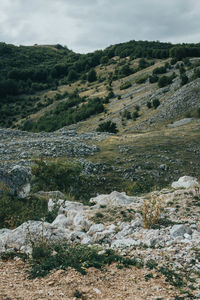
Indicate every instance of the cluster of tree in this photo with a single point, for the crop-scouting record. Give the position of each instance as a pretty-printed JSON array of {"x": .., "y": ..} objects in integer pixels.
[
  {"x": 136, "y": 49},
  {"x": 70, "y": 112},
  {"x": 25, "y": 70},
  {"x": 186, "y": 50}
]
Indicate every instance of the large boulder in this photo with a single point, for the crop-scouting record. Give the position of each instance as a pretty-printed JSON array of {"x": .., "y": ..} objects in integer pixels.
[
  {"x": 186, "y": 182},
  {"x": 17, "y": 180}
]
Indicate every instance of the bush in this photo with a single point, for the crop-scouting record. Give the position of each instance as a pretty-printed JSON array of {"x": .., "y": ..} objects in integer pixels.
[
  {"x": 164, "y": 81},
  {"x": 151, "y": 212},
  {"x": 149, "y": 105},
  {"x": 184, "y": 79},
  {"x": 159, "y": 70},
  {"x": 141, "y": 79},
  {"x": 126, "y": 114},
  {"x": 153, "y": 78},
  {"x": 135, "y": 115},
  {"x": 107, "y": 127},
  {"x": 15, "y": 211},
  {"x": 125, "y": 85},
  {"x": 66, "y": 177},
  {"x": 156, "y": 103},
  {"x": 47, "y": 257}
]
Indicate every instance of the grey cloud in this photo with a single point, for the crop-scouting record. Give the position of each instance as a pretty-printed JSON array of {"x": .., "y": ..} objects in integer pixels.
[{"x": 92, "y": 24}]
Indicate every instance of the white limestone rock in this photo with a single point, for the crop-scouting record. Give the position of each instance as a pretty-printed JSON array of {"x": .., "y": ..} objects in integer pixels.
[
  {"x": 114, "y": 199},
  {"x": 180, "y": 230},
  {"x": 186, "y": 182},
  {"x": 61, "y": 221},
  {"x": 124, "y": 243},
  {"x": 95, "y": 228}
]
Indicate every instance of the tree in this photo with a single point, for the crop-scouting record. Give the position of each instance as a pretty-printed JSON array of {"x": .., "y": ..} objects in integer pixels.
[
  {"x": 72, "y": 75},
  {"x": 107, "y": 127},
  {"x": 92, "y": 75},
  {"x": 184, "y": 79}
]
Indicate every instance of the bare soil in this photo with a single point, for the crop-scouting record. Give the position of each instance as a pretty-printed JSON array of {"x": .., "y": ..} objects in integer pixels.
[{"x": 111, "y": 283}]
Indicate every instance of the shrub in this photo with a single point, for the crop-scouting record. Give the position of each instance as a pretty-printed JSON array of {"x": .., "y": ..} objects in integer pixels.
[
  {"x": 149, "y": 105},
  {"x": 125, "y": 85},
  {"x": 151, "y": 212},
  {"x": 47, "y": 257},
  {"x": 155, "y": 103},
  {"x": 184, "y": 79},
  {"x": 141, "y": 79},
  {"x": 126, "y": 114},
  {"x": 15, "y": 211},
  {"x": 153, "y": 78},
  {"x": 66, "y": 177},
  {"x": 198, "y": 112},
  {"x": 107, "y": 127},
  {"x": 159, "y": 70},
  {"x": 165, "y": 80},
  {"x": 135, "y": 115}
]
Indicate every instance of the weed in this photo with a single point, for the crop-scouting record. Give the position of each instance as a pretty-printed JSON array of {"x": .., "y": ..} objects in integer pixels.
[
  {"x": 172, "y": 277},
  {"x": 151, "y": 264},
  {"x": 148, "y": 276},
  {"x": 151, "y": 211},
  {"x": 78, "y": 294}
]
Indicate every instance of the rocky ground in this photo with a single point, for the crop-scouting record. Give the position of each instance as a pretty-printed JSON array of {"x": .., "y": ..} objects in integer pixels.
[
  {"x": 115, "y": 221},
  {"x": 110, "y": 284}
]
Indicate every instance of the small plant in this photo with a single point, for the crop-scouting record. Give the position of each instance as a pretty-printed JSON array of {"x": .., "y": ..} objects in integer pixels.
[
  {"x": 151, "y": 264},
  {"x": 78, "y": 294},
  {"x": 151, "y": 211}
]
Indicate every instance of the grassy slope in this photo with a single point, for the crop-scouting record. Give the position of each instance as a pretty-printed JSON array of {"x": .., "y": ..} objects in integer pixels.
[{"x": 141, "y": 154}]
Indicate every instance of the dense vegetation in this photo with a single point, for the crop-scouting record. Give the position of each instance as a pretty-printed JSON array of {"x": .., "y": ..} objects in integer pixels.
[
  {"x": 66, "y": 113},
  {"x": 27, "y": 70}
]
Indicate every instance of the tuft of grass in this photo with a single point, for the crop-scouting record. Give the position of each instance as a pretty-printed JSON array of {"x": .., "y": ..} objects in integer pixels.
[{"x": 151, "y": 211}]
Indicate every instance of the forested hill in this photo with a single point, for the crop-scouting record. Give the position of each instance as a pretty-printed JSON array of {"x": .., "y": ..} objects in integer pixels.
[{"x": 27, "y": 70}]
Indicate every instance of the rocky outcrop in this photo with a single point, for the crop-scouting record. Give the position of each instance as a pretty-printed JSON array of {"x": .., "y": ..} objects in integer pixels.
[
  {"x": 186, "y": 182},
  {"x": 16, "y": 181},
  {"x": 174, "y": 106},
  {"x": 114, "y": 199}
]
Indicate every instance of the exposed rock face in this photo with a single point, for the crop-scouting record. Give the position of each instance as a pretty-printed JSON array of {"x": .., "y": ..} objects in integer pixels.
[
  {"x": 186, "y": 182},
  {"x": 174, "y": 106},
  {"x": 17, "y": 180}
]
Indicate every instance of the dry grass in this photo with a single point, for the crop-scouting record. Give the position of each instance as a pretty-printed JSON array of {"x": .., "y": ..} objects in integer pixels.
[{"x": 151, "y": 211}]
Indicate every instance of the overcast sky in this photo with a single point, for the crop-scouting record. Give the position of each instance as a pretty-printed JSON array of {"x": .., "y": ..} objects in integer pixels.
[{"x": 87, "y": 25}]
